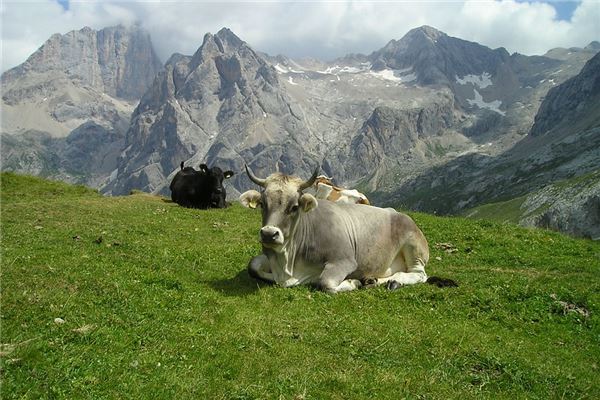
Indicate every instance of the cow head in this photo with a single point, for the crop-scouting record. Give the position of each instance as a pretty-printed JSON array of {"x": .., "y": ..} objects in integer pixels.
[
  {"x": 282, "y": 201},
  {"x": 213, "y": 182}
]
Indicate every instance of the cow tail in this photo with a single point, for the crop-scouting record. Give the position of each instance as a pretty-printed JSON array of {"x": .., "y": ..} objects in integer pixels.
[{"x": 441, "y": 282}]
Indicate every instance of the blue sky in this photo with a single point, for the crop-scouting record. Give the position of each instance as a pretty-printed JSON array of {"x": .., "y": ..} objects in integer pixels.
[
  {"x": 308, "y": 28},
  {"x": 564, "y": 9}
]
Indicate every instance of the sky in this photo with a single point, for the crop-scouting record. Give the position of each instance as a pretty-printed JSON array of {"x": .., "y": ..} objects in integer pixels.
[{"x": 319, "y": 29}]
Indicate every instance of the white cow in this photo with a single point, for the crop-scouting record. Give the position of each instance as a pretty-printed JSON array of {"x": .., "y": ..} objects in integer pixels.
[
  {"x": 337, "y": 247},
  {"x": 328, "y": 191}
]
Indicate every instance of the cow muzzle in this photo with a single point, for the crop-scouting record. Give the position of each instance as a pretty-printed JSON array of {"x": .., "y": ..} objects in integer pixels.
[{"x": 271, "y": 236}]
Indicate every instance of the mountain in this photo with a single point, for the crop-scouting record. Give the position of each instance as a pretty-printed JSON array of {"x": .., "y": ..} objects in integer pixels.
[
  {"x": 429, "y": 121},
  {"x": 226, "y": 105},
  {"x": 117, "y": 61},
  {"x": 81, "y": 84},
  {"x": 575, "y": 102},
  {"x": 376, "y": 121},
  {"x": 551, "y": 175},
  {"x": 436, "y": 58},
  {"x": 480, "y": 78}
]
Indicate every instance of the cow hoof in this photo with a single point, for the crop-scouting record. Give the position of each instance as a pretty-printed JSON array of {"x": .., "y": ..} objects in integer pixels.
[
  {"x": 393, "y": 285},
  {"x": 369, "y": 282}
]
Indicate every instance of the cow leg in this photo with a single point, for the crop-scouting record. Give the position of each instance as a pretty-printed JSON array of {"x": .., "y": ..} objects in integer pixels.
[
  {"x": 333, "y": 278},
  {"x": 258, "y": 268},
  {"x": 415, "y": 273}
]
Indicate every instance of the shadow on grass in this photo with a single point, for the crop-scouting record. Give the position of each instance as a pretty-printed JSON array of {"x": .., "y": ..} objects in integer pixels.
[{"x": 240, "y": 285}]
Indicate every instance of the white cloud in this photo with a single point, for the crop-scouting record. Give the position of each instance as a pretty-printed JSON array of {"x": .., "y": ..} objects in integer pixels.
[
  {"x": 528, "y": 28},
  {"x": 319, "y": 29}
]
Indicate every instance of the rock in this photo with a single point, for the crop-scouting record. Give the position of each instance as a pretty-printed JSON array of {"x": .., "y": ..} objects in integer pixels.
[
  {"x": 66, "y": 109},
  {"x": 574, "y": 101},
  {"x": 222, "y": 105},
  {"x": 573, "y": 209},
  {"x": 118, "y": 61},
  {"x": 437, "y": 58}
]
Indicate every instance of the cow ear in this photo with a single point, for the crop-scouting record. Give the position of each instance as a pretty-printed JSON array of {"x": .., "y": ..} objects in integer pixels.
[
  {"x": 307, "y": 202},
  {"x": 228, "y": 174},
  {"x": 250, "y": 199},
  {"x": 204, "y": 168}
]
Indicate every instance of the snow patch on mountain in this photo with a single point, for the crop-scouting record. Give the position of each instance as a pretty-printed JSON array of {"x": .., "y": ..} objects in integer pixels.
[
  {"x": 492, "y": 106},
  {"x": 282, "y": 69},
  {"x": 395, "y": 75},
  {"x": 336, "y": 69},
  {"x": 482, "y": 81}
]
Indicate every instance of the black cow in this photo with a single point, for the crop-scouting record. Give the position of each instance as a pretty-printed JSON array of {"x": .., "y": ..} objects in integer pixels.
[{"x": 199, "y": 189}]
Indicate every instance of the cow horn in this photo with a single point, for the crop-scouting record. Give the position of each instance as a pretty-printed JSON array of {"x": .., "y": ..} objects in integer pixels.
[
  {"x": 312, "y": 179},
  {"x": 253, "y": 178}
]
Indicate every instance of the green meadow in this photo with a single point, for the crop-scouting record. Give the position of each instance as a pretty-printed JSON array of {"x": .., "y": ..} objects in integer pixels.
[{"x": 134, "y": 297}]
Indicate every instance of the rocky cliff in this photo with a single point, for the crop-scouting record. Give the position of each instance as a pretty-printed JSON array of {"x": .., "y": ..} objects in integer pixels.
[
  {"x": 563, "y": 144},
  {"x": 571, "y": 206},
  {"x": 377, "y": 120},
  {"x": 117, "y": 61},
  {"x": 575, "y": 102},
  {"x": 224, "y": 105},
  {"x": 436, "y": 58},
  {"x": 389, "y": 133},
  {"x": 66, "y": 109}
]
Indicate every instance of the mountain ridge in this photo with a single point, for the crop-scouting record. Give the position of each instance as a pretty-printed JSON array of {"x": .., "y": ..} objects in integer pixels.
[
  {"x": 80, "y": 84},
  {"x": 212, "y": 105},
  {"x": 533, "y": 169},
  {"x": 423, "y": 103}
]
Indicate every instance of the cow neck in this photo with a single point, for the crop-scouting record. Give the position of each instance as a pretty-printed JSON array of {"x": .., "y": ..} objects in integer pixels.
[
  {"x": 290, "y": 250},
  {"x": 279, "y": 265},
  {"x": 282, "y": 262},
  {"x": 285, "y": 260},
  {"x": 303, "y": 231}
]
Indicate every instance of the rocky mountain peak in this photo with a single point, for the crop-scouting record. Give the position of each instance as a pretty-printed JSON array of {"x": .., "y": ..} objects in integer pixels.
[
  {"x": 437, "y": 58},
  {"x": 224, "y": 104},
  {"x": 119, "y": 61},
  {"x": 223, "y": 45},
  {"x": 417, "y": 38},
  {"x": 229, "y": 40},
  {"x": 574, "y": 102},
  {"x": 424, "y": 32},
  {"x": 594, "y": 46},
  {"x": 224, "y": 41}
]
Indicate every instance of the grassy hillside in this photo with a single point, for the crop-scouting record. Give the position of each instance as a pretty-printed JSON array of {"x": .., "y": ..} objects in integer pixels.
[
  {"x": 526, "y": 209},
  {"x": 135, "y": 297}
]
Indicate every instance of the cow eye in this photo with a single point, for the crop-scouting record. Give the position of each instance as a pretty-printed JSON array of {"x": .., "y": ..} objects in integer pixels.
[{"x": 294, "y": 208}]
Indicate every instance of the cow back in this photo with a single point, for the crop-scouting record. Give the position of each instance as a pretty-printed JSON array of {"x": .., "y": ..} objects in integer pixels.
[{"x": 371, "y": 235}]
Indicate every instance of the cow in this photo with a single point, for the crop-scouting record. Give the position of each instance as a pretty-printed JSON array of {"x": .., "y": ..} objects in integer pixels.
[
  {"x": 325, "y": 189},
  {"x": 334, "y": 246},
  {"x": 199, "y": 189}
]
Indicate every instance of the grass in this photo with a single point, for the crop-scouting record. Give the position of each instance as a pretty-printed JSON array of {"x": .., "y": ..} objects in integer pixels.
[
  {"x": 503, "y": 211},
  {"x": 155, "y": 302}
]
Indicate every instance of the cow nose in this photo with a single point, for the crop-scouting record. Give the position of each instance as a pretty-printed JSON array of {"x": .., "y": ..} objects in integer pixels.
[
  {"x": 218, "y": 190},
  {"x": 269, "y": 234}
]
